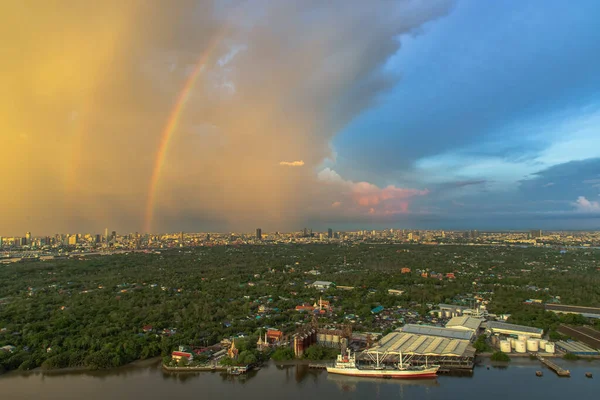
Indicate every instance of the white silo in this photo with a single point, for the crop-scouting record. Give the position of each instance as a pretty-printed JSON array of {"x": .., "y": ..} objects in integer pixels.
[
  {"x": 550, "y": 348},
  {"x": 521, "y": 346},
  {"x": 543, "y": 343},
  {"x": 532, "y": 345},
  {"x": 448, "y": 314},
  {"x": 523, "y": 337},
  {"x": 505, "y": 346},
  {"x": 513, "y": 342}
]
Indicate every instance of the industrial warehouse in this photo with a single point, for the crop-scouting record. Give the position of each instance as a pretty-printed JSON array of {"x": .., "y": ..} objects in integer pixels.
[{"x": 432, "y": 346}]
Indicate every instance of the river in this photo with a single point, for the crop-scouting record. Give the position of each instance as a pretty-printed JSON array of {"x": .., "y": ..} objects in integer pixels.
[{"x": 291, "y": 382}]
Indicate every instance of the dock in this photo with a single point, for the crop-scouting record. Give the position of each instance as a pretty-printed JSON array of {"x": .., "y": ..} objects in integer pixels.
[
  {"x": 317, "y": 366},
  {"x": 559, "y": 370}
]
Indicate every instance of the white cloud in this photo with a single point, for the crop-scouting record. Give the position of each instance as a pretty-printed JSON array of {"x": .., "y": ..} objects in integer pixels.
[{"x": 584, "y": 205}]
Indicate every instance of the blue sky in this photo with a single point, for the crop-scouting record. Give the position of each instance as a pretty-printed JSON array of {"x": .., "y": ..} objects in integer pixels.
[{"x": 496, "y": 112}]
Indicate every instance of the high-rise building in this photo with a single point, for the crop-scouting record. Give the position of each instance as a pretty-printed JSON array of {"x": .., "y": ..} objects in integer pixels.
[
  {"x": 113, "y": 235},
  {"x": 536, "y": 234},
  {"x": 258, "y": 234},
  {"x": 0, "y": 241},
  {"x": 106, "y": 235},
  {"x": 409, "y": 236},
  {"x": 28, "y": 238},
  {"x": 330, "y": 233},
  {"x": 72, "y": 240},
  {"x": 181, "y": 237},
  {"x": 98, "y": 238},
  {"x": 305, "y": 232}
]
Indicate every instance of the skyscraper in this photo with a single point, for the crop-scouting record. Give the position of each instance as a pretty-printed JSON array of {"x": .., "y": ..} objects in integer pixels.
[
  {"x": 258, "y": 234},
  {"x": 28, "y": 238},
  {"x": 113, "y": 235},
  {"x": 106, "y": 235},
  {"x": 330, "y": 233}
]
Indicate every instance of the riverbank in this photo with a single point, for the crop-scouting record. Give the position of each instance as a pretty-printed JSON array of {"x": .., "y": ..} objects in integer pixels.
[{"x": 145, "y": 363}]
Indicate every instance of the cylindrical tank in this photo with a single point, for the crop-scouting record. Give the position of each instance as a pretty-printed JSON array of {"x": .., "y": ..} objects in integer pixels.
[
  {"x": 505, "y": 346},
  {"x": 513, "y": 342},
  {"x": 336, "y": 339},
  {"x": 440, "y": 314},
  {"x": 521, "y": 346},
  {"x": 543, "y": 343},
  {"x": 550, "y": 348},
  {"x": 532, "y": 345},
  {"x": 329, "y": 338},
  {"x": 523, "y": 337},
  {"x": 459, "y": 312},
  {"x": 321, "y": 338}
]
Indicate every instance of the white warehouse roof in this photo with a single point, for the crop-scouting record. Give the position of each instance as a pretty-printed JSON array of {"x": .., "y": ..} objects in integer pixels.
[{"x": 464, "y": 322}]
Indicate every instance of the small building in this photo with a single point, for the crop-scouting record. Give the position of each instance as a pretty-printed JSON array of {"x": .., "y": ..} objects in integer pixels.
[
  {"x": 322, "y": 285},
  {"x": 178, "y": 355},
  {"x": 274, "y": 336},
  {"x": 8, "y": 348},
  {"x": 395, "y": 292},
  {"x": 377, "y": 310},
  {"x": 405, "y": 270}
]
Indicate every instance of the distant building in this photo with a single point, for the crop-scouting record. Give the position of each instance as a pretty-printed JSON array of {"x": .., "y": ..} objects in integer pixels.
[
  {"x": 28, "y": 238},
  {"x": 405, "y": 270},
  {"x": 178, "y": 355},
  {"x": 395, "y": 292},
  {"x": 258, "y": 234},
  {"x": 537, "y": 233},
  {"x": 322, "y": 285},
  {"x": 330, "y": 233},
  {"x": 588, "y": 312}
]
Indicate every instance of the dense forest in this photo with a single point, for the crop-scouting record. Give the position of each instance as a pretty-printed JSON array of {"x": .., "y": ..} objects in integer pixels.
[{"x": 92, "y": 313}]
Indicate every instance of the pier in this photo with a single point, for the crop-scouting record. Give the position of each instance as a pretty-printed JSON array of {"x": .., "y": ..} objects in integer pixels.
[
  {"x": 559, "y": 370},
  {"x": 317, "y": 366}
]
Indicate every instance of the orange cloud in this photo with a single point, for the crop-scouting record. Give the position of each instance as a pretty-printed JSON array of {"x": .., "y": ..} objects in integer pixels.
[
  {"x": 292, "y": 163},
  {"x": 368, "y": 197}
]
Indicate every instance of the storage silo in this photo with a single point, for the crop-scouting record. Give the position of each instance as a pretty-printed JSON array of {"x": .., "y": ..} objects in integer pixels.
[
  {"x": 513, "y": 342},
  {"x": 543, "y": 343},
  {"x": 329, "y": 339},
  {"x": 532, "y": 345},
  {"x": 448, "y": 314},
  {"x": 505, "y": 346},
  {"x": 523, "y": 338},
  {"x": 521, "y": 346},
  {"x": 550, "y": 348}
]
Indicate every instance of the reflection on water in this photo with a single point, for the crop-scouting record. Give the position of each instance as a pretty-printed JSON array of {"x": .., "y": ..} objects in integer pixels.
[{"x": 298, "y": 382}]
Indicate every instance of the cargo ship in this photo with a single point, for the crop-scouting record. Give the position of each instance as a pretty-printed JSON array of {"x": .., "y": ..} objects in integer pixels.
[{"x": 346, "y": 365}]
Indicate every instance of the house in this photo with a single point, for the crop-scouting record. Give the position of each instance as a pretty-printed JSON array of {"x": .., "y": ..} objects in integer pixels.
[
  {"x": 377, "y": 310},
  {"x": 322, "y": 285},
  {"x": 178, "y": 355},
  {"x": 147, "y": 328},
  {"x": 395, "y": 292},
  {"x": 8, "y": 348},
  {"x": 304, "y": 307},
  {"x": 405, "y": 270},
  {"x": 450, "y": 275}
]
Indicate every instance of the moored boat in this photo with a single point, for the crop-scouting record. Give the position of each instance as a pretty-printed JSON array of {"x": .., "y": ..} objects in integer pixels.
[{"x": 346, "y": 365}]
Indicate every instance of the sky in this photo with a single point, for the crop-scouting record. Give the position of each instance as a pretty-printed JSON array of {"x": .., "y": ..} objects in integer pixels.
[{"x": 229, "y": 115}]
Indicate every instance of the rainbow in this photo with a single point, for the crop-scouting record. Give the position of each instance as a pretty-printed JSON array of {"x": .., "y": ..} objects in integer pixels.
[{"x": 169, "y": 130}]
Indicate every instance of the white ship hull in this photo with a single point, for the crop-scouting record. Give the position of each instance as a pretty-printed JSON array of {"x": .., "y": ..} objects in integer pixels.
[{"x": 386, "y": 373}]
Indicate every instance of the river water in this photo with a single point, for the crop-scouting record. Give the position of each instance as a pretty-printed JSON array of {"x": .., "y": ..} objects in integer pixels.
[{"x": 517, "y": 381}]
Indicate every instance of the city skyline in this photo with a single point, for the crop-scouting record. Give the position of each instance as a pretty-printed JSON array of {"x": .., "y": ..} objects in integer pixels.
[{"x": 225, "y": 116}]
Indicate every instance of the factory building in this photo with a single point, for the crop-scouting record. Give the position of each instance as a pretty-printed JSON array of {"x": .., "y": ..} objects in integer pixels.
[
  {"x": 420, "y": 349},
  {"x": 502, "y": 328},
  {"x": 303, "y": 340},
  {"x": 577, "y": 348},
  {"x": 588, "y": 312},
  {"x": 465, "y": 323},
  {"x": 438, "y": 331}
]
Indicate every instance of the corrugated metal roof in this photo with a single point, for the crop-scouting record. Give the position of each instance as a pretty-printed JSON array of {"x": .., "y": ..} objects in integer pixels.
[
  {"x": 437, "y": 331},
  {"x": 465, "y": 321},
  {"x": 410, "y": 343},
  {"x": 576, "y": 347},
  {"x": 512, "y": 327}
]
